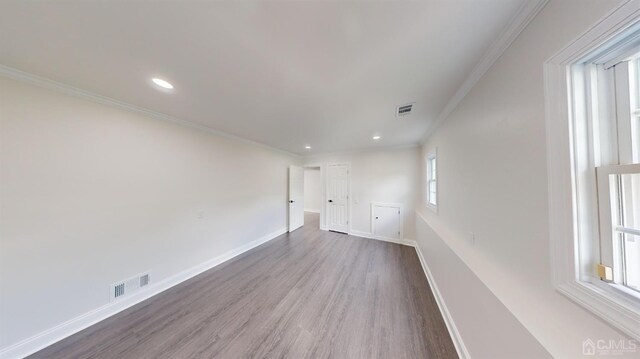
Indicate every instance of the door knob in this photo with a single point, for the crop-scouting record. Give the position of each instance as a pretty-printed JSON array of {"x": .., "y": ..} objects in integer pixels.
[
  {"x": 376, "y": 217},
  {"x": 291, "y": 201},
  {"x": 330, "y": 200}
]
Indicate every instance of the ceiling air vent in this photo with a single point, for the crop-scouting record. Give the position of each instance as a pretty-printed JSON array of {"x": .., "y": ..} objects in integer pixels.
[{"x": 404, "y": 110}]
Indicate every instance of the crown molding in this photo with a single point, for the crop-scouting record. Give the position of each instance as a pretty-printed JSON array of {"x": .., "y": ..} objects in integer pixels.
[
  {"x": 519, "y": 22},
  {"x": 22, "y": 76},
  {"x": 523, "y": 16},
  {"x": 362, "y": 150}
]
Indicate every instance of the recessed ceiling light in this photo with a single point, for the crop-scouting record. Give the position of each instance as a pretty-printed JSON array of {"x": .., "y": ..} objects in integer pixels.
[
  {"x": 162, "y": 83},
  {"x": 376, "y": 137},
  {"x": 307, "y": 147}
]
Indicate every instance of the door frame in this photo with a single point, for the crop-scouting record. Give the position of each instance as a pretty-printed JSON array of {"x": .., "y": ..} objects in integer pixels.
[
  {"x": 324, "y": 195},
  {"x": 322, "y": 191},
  {"x": 289, "y": 198}
]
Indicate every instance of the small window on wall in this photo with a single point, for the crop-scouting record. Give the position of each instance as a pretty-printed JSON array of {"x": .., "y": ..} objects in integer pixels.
[{"x": 432, "y": 181}]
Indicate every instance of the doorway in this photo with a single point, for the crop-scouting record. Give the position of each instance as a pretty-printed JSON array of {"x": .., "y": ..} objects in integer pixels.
[
  {"x": 313, "y": 195},
  {"x": 319, "y": 194},
  {"x": 296, "y": 197}
]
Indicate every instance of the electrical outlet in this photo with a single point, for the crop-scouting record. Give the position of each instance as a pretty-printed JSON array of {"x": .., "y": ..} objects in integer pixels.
[{"x": 201, "y": 215}]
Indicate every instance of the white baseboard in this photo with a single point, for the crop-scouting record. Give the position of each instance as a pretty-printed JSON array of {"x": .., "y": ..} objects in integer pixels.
[
  {"x": 448, "y": 319},
  {"x": 404, "y": 241},
  {"x": 312, "y": 210},
  {"x": 72, "y": 326}
]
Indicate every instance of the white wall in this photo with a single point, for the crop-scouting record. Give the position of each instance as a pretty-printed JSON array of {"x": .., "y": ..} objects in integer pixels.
[
  {"x": 492, "y": 181},
  {"x": 91, "y": 194},
  {"x": 312, "y": 190},
  {"x": 379, "y": 176},
  {"x": 487, "y": 327}
]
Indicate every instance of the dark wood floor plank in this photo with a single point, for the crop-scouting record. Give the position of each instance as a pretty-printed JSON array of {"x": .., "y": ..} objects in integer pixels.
[{"x": 306, "y": 294}]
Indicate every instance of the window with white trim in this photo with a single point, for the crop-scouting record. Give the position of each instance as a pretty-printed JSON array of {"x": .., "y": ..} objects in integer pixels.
[
  {"x": 432, "y": 181},
  {"x": 593, "y": 152},
  {"x": 619, "y": 185},
  {"x": 607, "y": 168}
]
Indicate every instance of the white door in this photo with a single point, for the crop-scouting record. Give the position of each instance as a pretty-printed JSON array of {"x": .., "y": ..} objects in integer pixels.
[
  {"x": 296, "y": 198},
  {"x": 338, "y": 198},
  {"x": 387, "y": 221}
]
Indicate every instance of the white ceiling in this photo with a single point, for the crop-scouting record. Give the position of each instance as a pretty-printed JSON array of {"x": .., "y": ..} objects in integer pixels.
[{"x": 285, "y": 74}]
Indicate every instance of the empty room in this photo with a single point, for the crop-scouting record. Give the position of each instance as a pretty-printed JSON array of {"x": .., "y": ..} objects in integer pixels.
[{"x": 319, "y": 179}]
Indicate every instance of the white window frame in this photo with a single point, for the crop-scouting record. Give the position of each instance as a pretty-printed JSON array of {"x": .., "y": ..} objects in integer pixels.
[
  {"x": 573, "y": 243},
  {"x": 432, "y": 156},
  {"x": 610, "y": 249}
]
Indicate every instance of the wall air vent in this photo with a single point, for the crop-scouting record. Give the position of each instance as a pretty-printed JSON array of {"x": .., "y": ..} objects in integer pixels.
[
  {"x": 404, "y": 110},
  {"x": 129, "y": 286},
  {"x": 144, "y": 280},
  {"x": 118, "y": 290}
]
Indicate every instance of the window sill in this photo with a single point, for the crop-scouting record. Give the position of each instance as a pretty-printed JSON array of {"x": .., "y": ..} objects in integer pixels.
[
  {"x": 616, "y": 308},
  {"x": 617, "y": 292},
  {"x": 432, "y": 207}
]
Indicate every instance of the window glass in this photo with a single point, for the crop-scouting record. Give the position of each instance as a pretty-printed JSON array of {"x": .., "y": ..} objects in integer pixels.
[
  {"x": 631, "y": 260},
  {"x": 625, "y": 217},
  {"x": 431, "y": 180},
  {"x": 635, "y": 82},
  {"x": 634, "y": 87},
  {"x": 630, "y": 200}
]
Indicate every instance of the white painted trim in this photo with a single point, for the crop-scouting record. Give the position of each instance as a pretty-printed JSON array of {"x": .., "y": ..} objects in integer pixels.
[
  {"x": 522, "y": 18},
  {"x": 15, "y": 74},
  {"x": 446, "y": 315},
  {"x": 606, "y": 28},
  {"x": 18, "y": 75},
  {"x": 618, "y": 311},
  {"x": 312, "y": 211},
  {"x": 289, "y": 199},
  {"x": 72, "y": 326},
  {"x": 369, "y": 235},
  {"x": 400, "y": 208},
  {"x": 323, "y": 192},
  {"x": 455, "y": 335},
  {"x": 361, "y": 150}
]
